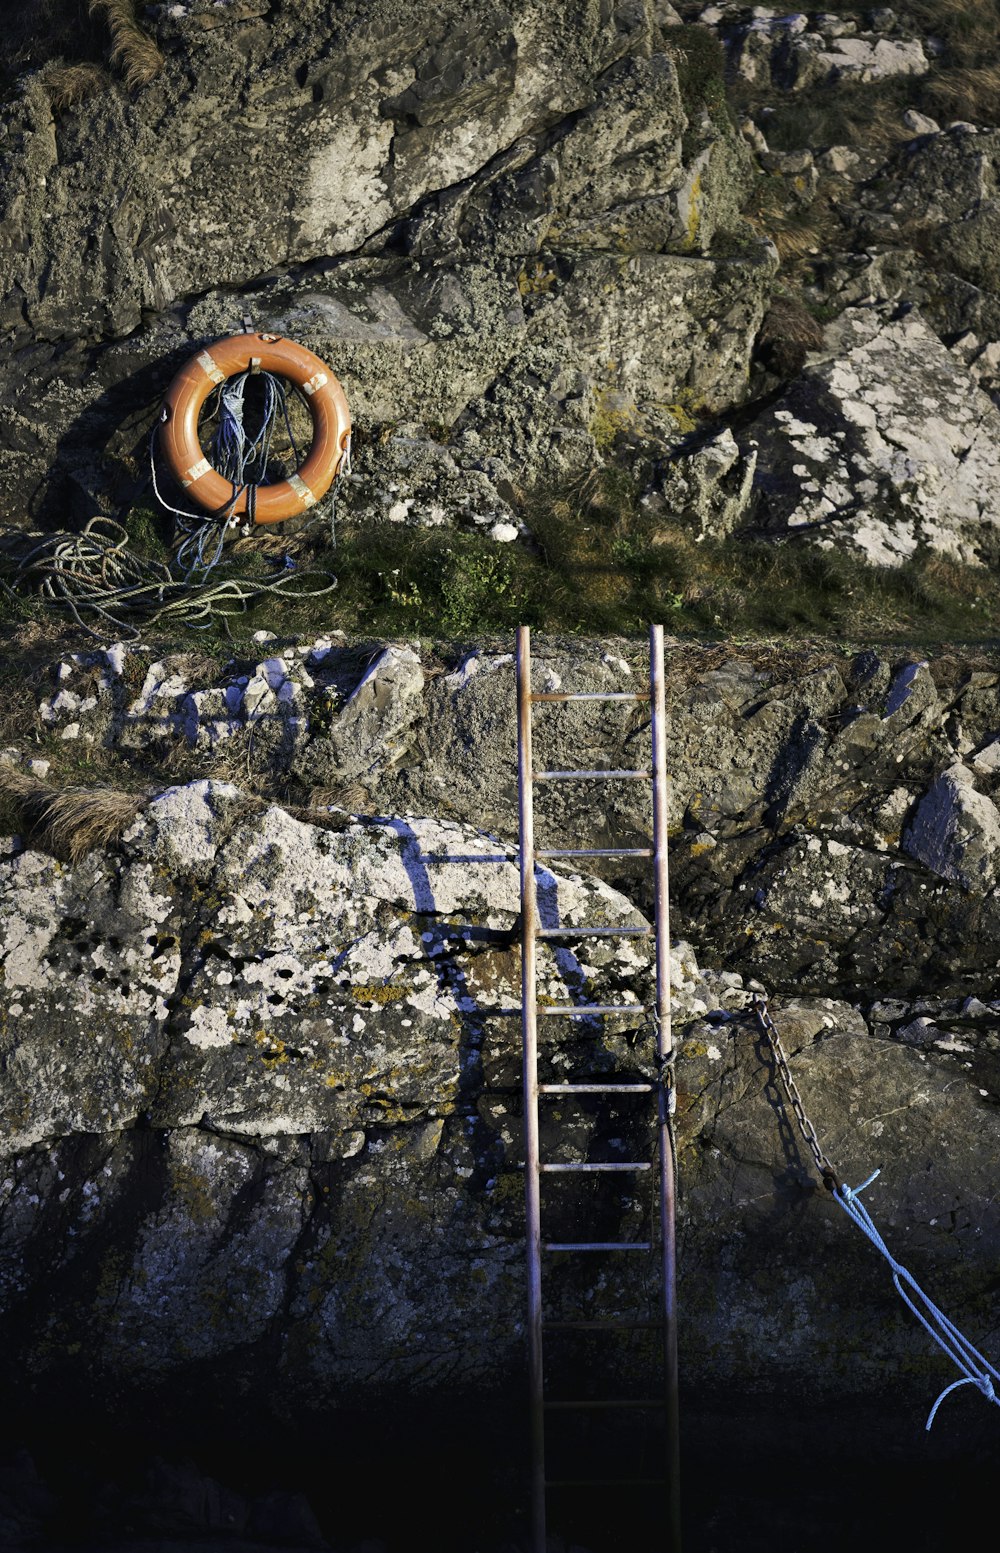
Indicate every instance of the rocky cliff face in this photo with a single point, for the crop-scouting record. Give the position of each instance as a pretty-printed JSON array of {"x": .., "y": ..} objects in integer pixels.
[
  {"x": 527, "y": 237},
  {"x": 259, "y": 1058},
  {"x": 261, "y": 1111},
  {"x": 494, "y": 222},
  {"x": 266, "y": 1066},
  {"x": 833, "y": 812}
]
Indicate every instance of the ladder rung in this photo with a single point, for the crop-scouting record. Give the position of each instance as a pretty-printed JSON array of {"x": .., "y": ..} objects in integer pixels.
[
  {"x": 604, "y": 1403},
  {"x": 593, "y": 852},
  {"x": 594, "y": 932},
  {"x": 596, "y": 1245},
  {"x": 603, "y": 1326},
  {"x": 580, "y": 1010},
  {"x": 591, "y": 695},
  {"x": 608, "y": 1165},
  {"x": 606, "y": 1482},
  {"x": 596, "y": 1089},
  {"x": 590, "y": 776}
]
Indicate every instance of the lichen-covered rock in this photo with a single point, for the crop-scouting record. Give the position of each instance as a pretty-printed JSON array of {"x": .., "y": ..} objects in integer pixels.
[
  {"x": 250, "y": 1010},
  {"x": 412, "y": 112},
  {"x": 792, "y": 1269},
  {"x": 883, "y": 444},
  {"x": 377, "y": 717},
  {"x": 789, "y": 775},
  {"x": 506, "y": 234},
  {"x": 709, "y": 489},
  {"x": 793, "y": 51},
  {"x": 956, "y": 831},
  {"x": 945, "y": 187},
  {"x": 322, "y": 1162}
]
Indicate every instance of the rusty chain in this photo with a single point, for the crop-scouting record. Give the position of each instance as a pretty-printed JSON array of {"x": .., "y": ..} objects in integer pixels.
[{"x": 769, "y": 1031}]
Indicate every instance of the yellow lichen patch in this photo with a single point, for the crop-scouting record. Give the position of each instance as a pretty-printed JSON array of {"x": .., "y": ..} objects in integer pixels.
[
  {"x": 537, "y": 281},
  {"x": 613, "y": 414},
  {"x": 194, "y": 1193},
  {"x": 508, "y": 1188},
  {"x": 685, "y": 421},
  {"x": 388, "y": 992},
  {"x": 275, "y": 1046},
  {"x": 694, "y": 213}
]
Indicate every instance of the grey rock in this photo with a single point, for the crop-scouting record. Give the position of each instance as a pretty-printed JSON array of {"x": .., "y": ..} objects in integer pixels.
[
  {"x": 987, "y": 760},
  {"x": 767, "y": 761},
  {"x": 956, "y": 831},
  {"x": 787, "y": 52},
  {"x": 710, "y": 489},
  {"x": 312, "y": 989},
  {"x": 372, "y": 730},
  {"x": 945, "y": 184},
  {"x": 845, "y": 1074},
  {"x": 839, "y": 160},
  {"x": 860, "y": 59},
  {"x": 919, "y": 123},
  {"x": 411, "y": 85},
  {"x": 881, "y": 445}
]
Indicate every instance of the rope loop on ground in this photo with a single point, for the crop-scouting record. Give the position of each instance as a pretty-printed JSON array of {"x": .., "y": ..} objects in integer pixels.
[{"x": 107, "y": 589}]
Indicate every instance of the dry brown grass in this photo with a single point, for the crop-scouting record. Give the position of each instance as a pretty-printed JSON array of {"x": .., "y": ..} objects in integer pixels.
[
  {"x": 972, "y": 93},
  {"x": 964, "y": 582},
  {"x": 132, "y": 50},
  {"x": 350, "y": 796},
  {"x": 787, "y": 334},
  {"x": 796, "y": 232},
  {"x": 71, "y": 821},
  {"x": 969, "y": 27},
  {"x": 198, "y": 669},
  {"x": 795, "y": 242},
  {"x": 70, "y": 84}
]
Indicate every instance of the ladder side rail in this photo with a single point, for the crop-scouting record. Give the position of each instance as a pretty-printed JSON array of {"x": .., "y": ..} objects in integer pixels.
[
  {"x": 529, "y": 1036},
  {"x": 665, "y": 1058}
]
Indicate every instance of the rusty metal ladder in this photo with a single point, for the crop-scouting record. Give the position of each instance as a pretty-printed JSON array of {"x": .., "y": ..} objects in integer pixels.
[{"x": 534, "y": 1092}]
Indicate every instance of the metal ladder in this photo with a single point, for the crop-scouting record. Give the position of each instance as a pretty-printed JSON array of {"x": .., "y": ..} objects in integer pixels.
[{"x": 661, "y": 1089}]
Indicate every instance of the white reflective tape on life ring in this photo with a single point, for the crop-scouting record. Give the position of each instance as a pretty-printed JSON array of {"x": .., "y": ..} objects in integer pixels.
[
  {"x": 210, "y": 367},
  {"x": 196, "y": 471},
  {"x": 316, "y": 381},
  {"x": 302, "y": 491}
]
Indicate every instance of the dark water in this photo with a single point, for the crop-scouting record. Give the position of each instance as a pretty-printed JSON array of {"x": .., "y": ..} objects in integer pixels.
[{"x": 781, "y": 1474}]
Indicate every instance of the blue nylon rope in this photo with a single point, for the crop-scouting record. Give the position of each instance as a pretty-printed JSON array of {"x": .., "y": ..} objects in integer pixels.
[
  {"x": 242, "y": 460},
  {"x": 976, "y": 1369},
  {"x": 239, "y": 458}
]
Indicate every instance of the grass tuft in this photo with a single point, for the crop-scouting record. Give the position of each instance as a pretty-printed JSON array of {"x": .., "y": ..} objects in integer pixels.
[
  {"x": 70, "y": 84},
  {"x": 70, "y": 822},
  {"x": 971, "y": 93},
  {"x": 701, "y": 69},
  {"x": 132, "y": 50},
  {"x": 788, "y": 332}
]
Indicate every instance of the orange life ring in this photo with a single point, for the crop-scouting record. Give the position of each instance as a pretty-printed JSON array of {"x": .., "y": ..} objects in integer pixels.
[{"x": 327, "y": 402}]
